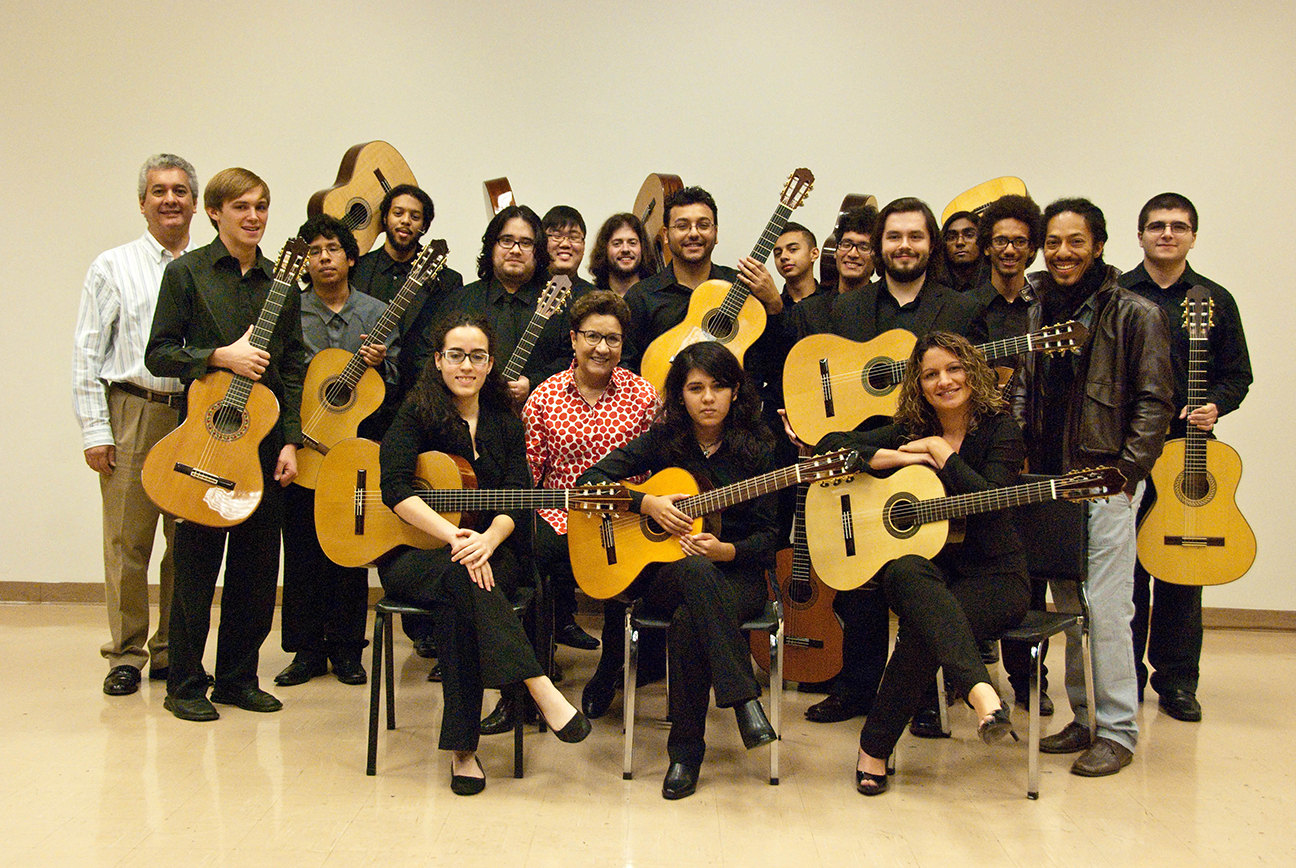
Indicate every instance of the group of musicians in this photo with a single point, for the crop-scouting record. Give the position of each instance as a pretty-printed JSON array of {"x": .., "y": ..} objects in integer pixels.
[{"x": 159, "y": 313}]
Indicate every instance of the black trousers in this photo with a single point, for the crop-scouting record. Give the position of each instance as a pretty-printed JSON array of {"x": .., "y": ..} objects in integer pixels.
[
  {"x": 480, "y": 641},
  {"x": 866, "y": 638},
  {"x": 325, "y": 606},
  {"x": 1167, "y": 626},
  {"x": 1016, "y": 655},
  {"x": 706, "y": 606},
  {"x": 555, "y": 562},
  {"x": 250, "y": 551},
  {"x": 942, "y": 617}
]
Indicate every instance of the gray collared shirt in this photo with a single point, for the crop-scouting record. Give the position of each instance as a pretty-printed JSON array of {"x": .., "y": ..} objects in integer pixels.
[{"x": 322, "y": 328}]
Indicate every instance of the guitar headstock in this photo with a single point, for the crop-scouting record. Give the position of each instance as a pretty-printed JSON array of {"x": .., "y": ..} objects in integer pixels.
[
  {"x": 554, "y": 295},
  {"x": 1091, "y": 483},
  {"x": 429, "y": 261},
  {"x": 1199, "y": 312},
  {"x": 1063, "y": 337},
  {"x": 797, "y": 188},
  {"x": 829, "y": 464},
  {"x": 292, "y": 259},
  {"x": 608, "y": 497}
]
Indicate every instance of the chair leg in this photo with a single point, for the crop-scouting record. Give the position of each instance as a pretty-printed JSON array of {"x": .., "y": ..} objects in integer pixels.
[
  {"x": 1033, "y": 735},
  {"x": 942, "y": 707},
  {"x": 631, "y": 670},
  {"x": 519, "y": 718},
  {"x": 391, "y": 672},
  {"x": 1089, "y": 682},
  {"x": 375, "y": 690},
  {"x": 776, "y": 698}
]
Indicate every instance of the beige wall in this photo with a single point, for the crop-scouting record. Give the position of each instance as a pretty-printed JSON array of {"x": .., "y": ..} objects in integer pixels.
[{"x": 576, "y": 102}]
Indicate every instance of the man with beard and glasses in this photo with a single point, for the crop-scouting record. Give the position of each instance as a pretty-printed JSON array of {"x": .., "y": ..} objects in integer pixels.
[{"x": 619, "y": 257}]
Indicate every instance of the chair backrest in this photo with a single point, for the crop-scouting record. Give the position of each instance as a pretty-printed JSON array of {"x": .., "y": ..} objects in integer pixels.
[{"x": 1055, "y": 536}]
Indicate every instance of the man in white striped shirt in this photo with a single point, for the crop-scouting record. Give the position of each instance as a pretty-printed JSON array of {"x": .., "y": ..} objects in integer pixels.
[{"x": 123, "y": 410}]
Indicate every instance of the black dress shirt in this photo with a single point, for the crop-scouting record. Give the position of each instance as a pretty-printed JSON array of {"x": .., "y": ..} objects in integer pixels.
[
  {"x": 658, "y": 304},
  {"x": 864, "y": 314},
  {"x": 206, "y": 302},
  {"x": 1003, "y": 318},
  {"x": 510, "y": 313}
]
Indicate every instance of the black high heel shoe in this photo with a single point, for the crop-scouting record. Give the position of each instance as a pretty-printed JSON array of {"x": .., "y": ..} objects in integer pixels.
[
  {"x": 575, "y": 729},
  {"x": 869, "y": 784},
  {"x": 995, "y": 727}
]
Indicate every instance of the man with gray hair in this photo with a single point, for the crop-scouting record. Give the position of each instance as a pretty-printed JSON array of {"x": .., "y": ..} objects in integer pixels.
[{"x": 123, "y": 410}]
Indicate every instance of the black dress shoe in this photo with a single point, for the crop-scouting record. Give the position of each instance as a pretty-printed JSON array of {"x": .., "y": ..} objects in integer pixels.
[
  {"x": 574, "y": 730},
  {"x": 199, "y": 709},
  {"x": 1179, "y": 704},
  {"x": 989, "y": 649},
  {"x": 1106, "y": 757},
  {"x": 869, "y": 784},
  {"x": 836, "y": 707},
  {"x": 681, "y": 781},
  {"x": 347, "y": 667},
  {"x": 571, "y": 635},
  {"x": 926, "y": 723},
  {"x": 753, "y": 725},
  {"x": 499, "y": 721},
  {"x": 121, "y": 681},
  {"x": 304, "y": 666},
  {"x": 246, "y": 698},
  {"x": 1046, "y": 704},
  {"x": 598, "y": 694},
  {"x": 425, "y": 647},
  {"x": 1071, "y": 739},
  {"x": 160, "y": 673},
  {"x": 466, "y": 785},
  {"x": 996, "y": 727}
]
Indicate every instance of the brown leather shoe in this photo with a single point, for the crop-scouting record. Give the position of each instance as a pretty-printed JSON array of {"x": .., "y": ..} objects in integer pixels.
[
  {"x": 1106, "y": 757},
  {"x": 1071, "y": 739}
]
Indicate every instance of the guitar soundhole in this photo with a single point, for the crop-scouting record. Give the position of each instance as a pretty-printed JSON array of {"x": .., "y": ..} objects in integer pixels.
[
  {"x": 899, "y": 516},
  {"x": 337, "y": 395},
  {"x": 1195, "y": 489},
  {"x": 801, "y": 594},
  {"x": 357, "y": 214},
  {"x": 876, "y": 377},
  {"x": 718, "y": 325},
  {"x": 652, "y": 530},
  {"x": 226, "y": 423}
]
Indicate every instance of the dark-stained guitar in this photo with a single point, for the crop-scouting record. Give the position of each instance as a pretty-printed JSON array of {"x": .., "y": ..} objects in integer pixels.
[{"x": 650, "y": 208}]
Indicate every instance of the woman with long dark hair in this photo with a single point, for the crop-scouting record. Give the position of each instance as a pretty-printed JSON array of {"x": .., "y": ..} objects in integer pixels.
[
  {"x": 952, "y": 418},
  {"x": 709, "y": 424},
  {"x": 461, "y": 406}
]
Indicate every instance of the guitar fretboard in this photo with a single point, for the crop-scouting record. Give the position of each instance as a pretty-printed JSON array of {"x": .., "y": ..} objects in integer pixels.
[
  {"x": 736, "y": 297},
  {"x": 721, "y": 498},
  {"x": 291, "y": 260}
]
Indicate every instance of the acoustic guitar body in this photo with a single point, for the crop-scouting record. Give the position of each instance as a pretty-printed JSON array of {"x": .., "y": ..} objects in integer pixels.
[
  {"x": 355, "y": 527},
  {"x": 332, "y": 412},
  {"x": 208, "y": 470},
  {"x": 649, "y": 207},
  {"x": 979, "y": 197},
  {"x": 367, "y": 172},
  {"x": 831, "y": 383},
  {"x": 864, "y": 505},
  {"x": 812, "y": 635},
  {"x": 610, "y": 549},
  {"x": 704, "y": 322},
  {"x": 1196, "y": 537},
  {"x": 499, "y": 195}
]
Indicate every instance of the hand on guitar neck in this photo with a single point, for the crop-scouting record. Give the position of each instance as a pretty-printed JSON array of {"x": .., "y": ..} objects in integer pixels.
[{"x": 241, "y": 357}]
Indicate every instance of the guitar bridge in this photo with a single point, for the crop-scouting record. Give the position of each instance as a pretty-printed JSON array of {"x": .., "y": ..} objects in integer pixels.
[
  {"x": 825, "y": 381},
  {"x": 361, "y": 478},
  {"x": 205, "y": 476},
  {"x": 848, "y": 525},
  {"x": 608, "y": 538},
  {"x": 1195, "y": 541}
]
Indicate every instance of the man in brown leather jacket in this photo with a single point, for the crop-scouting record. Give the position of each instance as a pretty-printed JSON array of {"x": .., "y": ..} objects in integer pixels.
[{"x": 1109, "y": 404}]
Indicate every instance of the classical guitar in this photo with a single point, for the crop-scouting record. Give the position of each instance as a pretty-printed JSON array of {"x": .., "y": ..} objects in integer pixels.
[
  {"x": 979, "y": 197},
  {"x": 499, "y": 195},
  {"x": 650, "y": 208},
  {"x": 812, "y": 635},
  {"x": 724, "y": 311},
  {"x": 208, "y": 471},
  {"x": 610, "y": 549},
  {"x": 828, "y": 250},
  {"x": 552, "y": 299},
  {"x": 341, "y": 390},
  {"x": 355, "y": 527},
  {"x": 367, "y": 172},
  {"x": 857, "y": 525},
  {"x": 831, "y": 383},
  {"x": 1195, "y": 534}
]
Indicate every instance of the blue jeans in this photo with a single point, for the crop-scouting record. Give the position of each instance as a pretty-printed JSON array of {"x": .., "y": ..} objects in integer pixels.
[{"x": 1110, "y": 588}]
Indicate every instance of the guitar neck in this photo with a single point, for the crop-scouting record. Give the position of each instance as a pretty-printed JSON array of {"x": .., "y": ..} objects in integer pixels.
[
  {"x": 240, "y": 388},
  {"x": 721, "y": 498},
  {"x": 961, "y": 505},
  {"x": 386, "y": 323},
  {"x": 522, "y": 352},
  {"x": 498, "y": 500},
  {"x": 738, "y": 291},
  {"x": 800, "y": 548},
  {"x": 1195, "y": 445}
]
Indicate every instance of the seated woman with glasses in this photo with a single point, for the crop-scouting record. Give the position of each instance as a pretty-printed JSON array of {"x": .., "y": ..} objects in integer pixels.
[
  {"x": 461, "y": 406},
  {"x": 952, "y": 418},
  {"x": 709, "y": 424}
]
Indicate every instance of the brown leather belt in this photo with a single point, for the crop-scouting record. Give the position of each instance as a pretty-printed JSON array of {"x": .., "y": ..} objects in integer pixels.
[{"x": 174, "y": 400}]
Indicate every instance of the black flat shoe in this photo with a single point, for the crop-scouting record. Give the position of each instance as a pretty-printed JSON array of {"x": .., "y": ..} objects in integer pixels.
[
  {"x": 200, "y": 709},
  {"x": 499, "y": 721},
  {"x": 463, "y": 785},
  {"x": 997, "y": 726},
  {"x": 681, "y": 781},
  {"x": 348, "y": 668},
  {"x": 868, "y": 784},
  {"x": 753, "y": 725},
  {"x": 834, "y": 708},
  {"x": 598, "y": 694},
  {"x": 575, "y": 729},
  {"x": 926, "y": 723},
  {"x": 571, "y": 635},
  {"x": 246, "y": 698},
  {"x": 434, "y": 674}
]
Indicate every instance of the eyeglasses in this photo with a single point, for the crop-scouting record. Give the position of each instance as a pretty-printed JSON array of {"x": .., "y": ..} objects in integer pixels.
[
  {"x": 508, "y": 242},
  {"x": 575, "y": 236},
  {"x": 330, "y": 249},
  {"x": 1178, "y": 227},
  {"x": 965, "y": 234},
  {"x": 864, "y": 247},
  {"x": 1001, "y": 242},
  {"x": 594, "y": 338},
  {"x": 703, "y": 225},
  {"x": 479, "y": 358}
]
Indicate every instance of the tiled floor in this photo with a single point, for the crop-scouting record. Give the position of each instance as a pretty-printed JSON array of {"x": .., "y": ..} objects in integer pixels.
[{"x": 90, "y": 780}]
